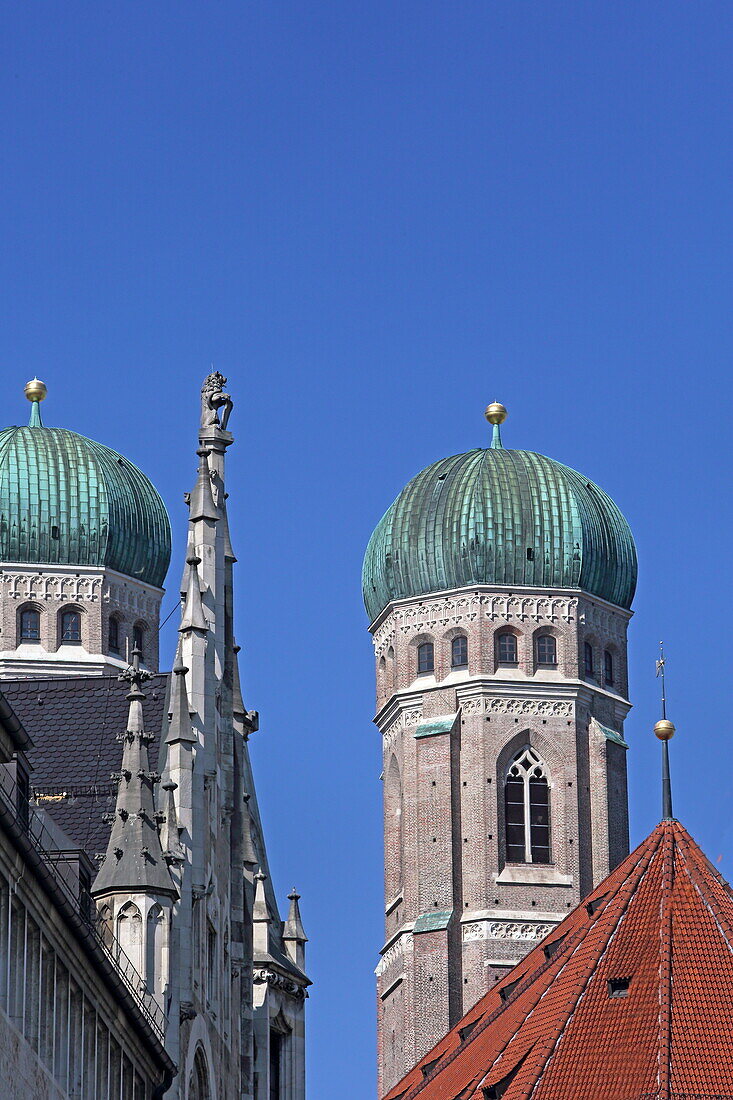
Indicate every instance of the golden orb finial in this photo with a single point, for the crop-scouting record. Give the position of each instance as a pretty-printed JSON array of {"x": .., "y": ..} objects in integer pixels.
[
  {"x": 35, "y": 390},
  {"x": 495, "y": 413},
  {"x": 664, "y": 729}
]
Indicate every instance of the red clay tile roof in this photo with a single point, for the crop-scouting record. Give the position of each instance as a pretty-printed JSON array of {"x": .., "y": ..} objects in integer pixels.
[{"x": 661, "y": 924}]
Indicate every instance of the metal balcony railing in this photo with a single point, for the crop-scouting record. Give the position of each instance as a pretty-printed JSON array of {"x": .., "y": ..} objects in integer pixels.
[{"x": 67, "y": 880}]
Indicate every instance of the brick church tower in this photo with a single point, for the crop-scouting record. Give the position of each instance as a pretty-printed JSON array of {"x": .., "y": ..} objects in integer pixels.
[{"x": 499, "y": 585}]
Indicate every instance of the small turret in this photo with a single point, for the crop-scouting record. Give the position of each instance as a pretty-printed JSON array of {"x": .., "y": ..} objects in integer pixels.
[
  {"x": 294, "y": 935},
  {"x": 134, "y": 860}
]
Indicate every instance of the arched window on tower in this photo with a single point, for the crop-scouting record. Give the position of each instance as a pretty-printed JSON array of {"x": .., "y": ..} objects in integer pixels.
[
  {"x": 608, "y": 668},
  {"x": 70, "y": 628},
  {"x": 527, "y": 809},
  {"x": 546, "y": 648},
  {"x": 506, "y": 648},
  {"x": 459, "y": 651},
  {"x": 588, "y": 659},
  {"x": 113, "y": 635},
  {"x": 425, "y": 658},
  {"x": 138, "y": 638},
  {"x": 30, "y": 625}
]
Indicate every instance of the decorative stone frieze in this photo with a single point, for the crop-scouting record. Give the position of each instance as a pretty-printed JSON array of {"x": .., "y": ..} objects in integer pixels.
[
  {"x": 393, "y": 953},
  {"x": 505, "y": 930},
  {"x": 263, "y": 975},
  {"x": 556, "y": 708},
  {"x": 403, "y": 720},
  {"x": 445, "y": 611}
]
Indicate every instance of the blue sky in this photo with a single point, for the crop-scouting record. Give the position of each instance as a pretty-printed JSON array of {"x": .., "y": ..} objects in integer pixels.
[{"x": 376, "y": 218}]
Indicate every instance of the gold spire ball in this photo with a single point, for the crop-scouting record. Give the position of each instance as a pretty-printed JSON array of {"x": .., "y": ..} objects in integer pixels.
[
  {"x": 664, "y": 729},
  {"x": 495, "y": 413},
  {"x": 35, "y": 390}
]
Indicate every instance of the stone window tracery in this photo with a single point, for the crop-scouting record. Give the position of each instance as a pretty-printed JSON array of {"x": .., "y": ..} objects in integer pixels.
[{"x": 527, "y": 809}]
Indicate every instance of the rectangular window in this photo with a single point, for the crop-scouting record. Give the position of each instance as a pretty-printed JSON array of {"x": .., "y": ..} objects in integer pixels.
[
  {"x": 514, "y": 812},
  {"x": 539, "y": 820},
  {"x": 459, "y": 652},
  {"x": 30, "y": 626},
  {"x": 90, "y": 1039},
  {"x": 76, "y": 1026},
  {"x": 425, "y": 657},
  {"x": 48, "y": 998},
  {"x": 127, "y": 1077},
  {"x": 32, "y": 981},
  {"x": 275, "y": 1064},
  {"x": 103, "y": 1085},
  {"x": 71, "y": 628},
  {"x": 115, "y": 1070},
  {"x": 4, "y": 934},
  {"x": 588, "y": 658},
  {"x": 17, "y": 963},
  {"x": 61, "y": 1051},
  {"x": 506, "y": 649}
]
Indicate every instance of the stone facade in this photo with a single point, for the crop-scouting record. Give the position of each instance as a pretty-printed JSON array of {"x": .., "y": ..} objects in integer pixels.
[
  {"x": 98, "y": 595},
  {"x": 74, "y": 1020},
  {"x": 228, "y": 971},
  {"x": 458, "y": 911}
]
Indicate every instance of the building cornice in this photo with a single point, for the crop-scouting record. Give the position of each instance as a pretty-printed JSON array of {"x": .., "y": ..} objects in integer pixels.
[{"x": 517, "y": 592}]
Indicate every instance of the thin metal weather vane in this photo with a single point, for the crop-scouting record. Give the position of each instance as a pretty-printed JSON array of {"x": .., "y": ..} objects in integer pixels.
[{"x": 664, "y": 730}]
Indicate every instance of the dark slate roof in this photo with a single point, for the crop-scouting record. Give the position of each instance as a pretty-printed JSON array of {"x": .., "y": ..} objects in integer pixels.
[{"x": 73, "y": 722}]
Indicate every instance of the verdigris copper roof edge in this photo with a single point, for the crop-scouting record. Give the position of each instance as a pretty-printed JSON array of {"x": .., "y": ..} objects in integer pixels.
[
  {"x": 68, "y": 500},
  {"x": 504, "y": 517}
]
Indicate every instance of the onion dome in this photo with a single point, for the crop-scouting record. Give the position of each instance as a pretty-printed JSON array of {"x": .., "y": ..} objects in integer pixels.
[
  {"x": 67, "y": 500},
  {"x": 501, "y": 517}
]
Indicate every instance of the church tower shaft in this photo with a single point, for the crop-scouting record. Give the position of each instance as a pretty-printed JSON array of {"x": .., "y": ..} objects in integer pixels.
[{"x": 501, "y": 706}]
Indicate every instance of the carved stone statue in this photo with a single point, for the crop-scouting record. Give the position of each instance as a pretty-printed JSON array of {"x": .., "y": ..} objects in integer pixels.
[{"x": 213, "y": 398}]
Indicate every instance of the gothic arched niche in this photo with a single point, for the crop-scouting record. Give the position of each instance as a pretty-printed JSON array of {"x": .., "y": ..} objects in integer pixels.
[
  {"x": 198, "y": 1082},
  {"x": 393, "y": 828},
  {"x": 154, "y": 950},
  {"x": 130, "y": 934}
]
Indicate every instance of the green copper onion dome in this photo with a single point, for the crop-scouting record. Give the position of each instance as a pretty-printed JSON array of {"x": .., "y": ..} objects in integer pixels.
[
  {"x": 501, "y": 517},
  {"x": 67, "y": 500}
]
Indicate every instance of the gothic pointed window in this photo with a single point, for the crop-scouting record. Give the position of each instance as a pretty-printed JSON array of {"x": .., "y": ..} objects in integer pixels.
[
  {"x": 527, "y": 809},
  {"x": 113, "y": 635},
  {"x": 459, "y": 651},
  {"x": 425, "y": 658},
  {"x": 506, "y": 648},
  {"x": 70, "y": 628},
  {"x": 608, "y": 668},
  {"x": 154, "y": 950},
  {"x": 30, "y": 625},
  {"x": 130, "y": 934}
]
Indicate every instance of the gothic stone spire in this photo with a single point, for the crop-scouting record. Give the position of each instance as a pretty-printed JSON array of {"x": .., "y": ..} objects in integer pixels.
[{"x": 134, "y": 861}]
